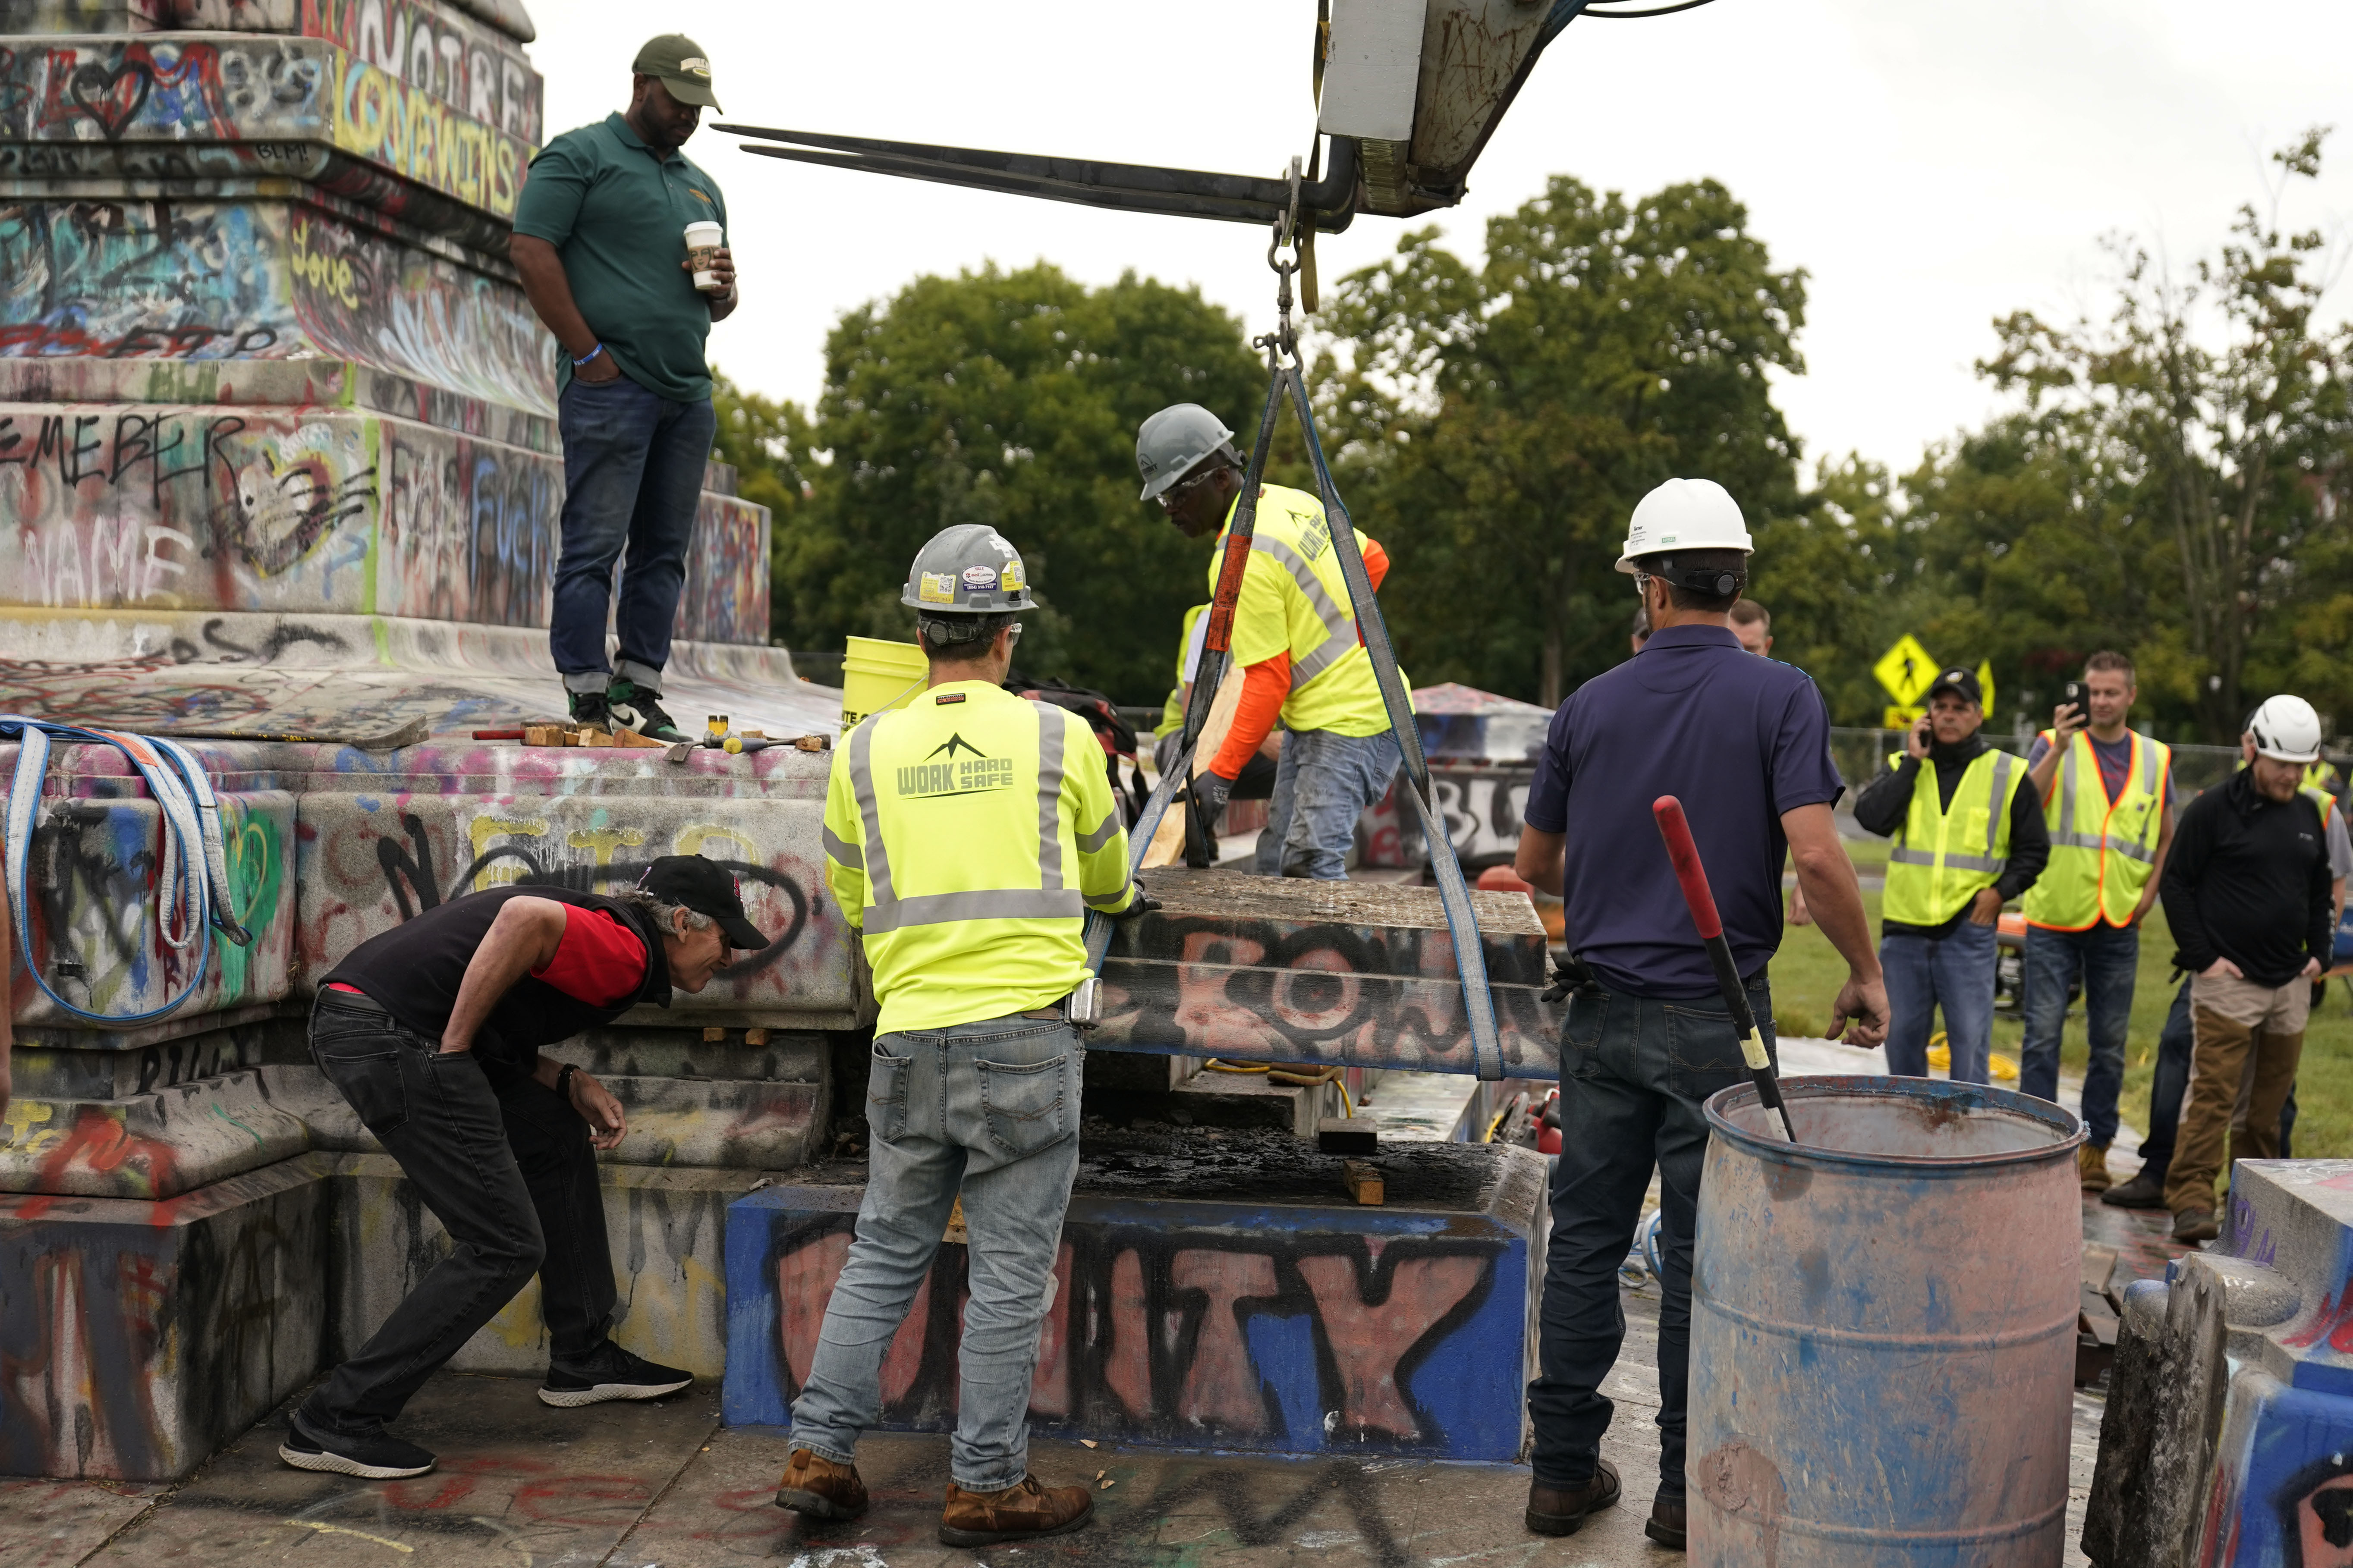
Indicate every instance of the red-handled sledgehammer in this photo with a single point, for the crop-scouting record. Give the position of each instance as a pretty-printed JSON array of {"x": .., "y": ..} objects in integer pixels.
[{"x": 1694, "y": 877}]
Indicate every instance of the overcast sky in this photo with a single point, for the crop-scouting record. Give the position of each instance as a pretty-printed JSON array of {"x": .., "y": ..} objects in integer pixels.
[{"x": 1930, "y": 165}]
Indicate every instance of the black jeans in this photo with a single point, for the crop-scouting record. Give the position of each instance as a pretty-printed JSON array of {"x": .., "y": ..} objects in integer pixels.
[
  {"x": 1633, "y": 1073},
  {"x": 506, "y": 1167}
]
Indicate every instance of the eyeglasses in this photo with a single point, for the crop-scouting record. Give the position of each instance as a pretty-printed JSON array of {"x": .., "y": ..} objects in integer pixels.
[{"x": 1173, "y": 494}]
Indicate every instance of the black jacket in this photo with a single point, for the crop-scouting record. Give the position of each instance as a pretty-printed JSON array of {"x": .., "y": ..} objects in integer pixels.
[
  {"x": 1886, "y": 800},
  {"x": 2248, "y": 881}
]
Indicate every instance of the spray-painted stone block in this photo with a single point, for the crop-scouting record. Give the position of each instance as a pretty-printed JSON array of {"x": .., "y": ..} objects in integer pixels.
[
  {"x": 1354, "y": 974},
  {"x": 665, "y": 1228},
  {"x": 154, "y": 1145},
  {"x": 135, "y": 1338},
  {"x": 2230, "y": 1424},
  {"x": 728, "y": 1125},
  {"x": 1260, "y": 1309},
  {"x": 96, "y": 934}
]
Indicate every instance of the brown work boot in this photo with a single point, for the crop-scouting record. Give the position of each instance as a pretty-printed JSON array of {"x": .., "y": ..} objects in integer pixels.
[
  {"x": 1561, "y": 1511},
  {"x": 2195, "y": 1225},
  {"x": 1665, "y": 1524},
  {"x": 816, "y": 1486},
  {"x": 1017, "y": 1514},
  {"x": 2092, "y": 1165}
]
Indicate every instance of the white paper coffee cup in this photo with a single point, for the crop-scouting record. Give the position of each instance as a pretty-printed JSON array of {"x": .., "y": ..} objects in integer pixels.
[{"x": 702, "y": 239}]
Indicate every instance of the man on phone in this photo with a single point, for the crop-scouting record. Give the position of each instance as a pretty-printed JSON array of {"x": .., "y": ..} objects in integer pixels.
[
  {"x": 600, "y": 244},
  {"x": 2107, "y": 800},
  {"x": 1969, "y": 837},
  {"x": 2248, "y": 899}
]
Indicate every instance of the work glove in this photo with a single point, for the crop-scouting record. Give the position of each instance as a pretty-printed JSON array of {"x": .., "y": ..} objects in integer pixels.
[
  {"x": 1567, "y": 974},
  {"x": 1143, "y": 903},
  {"x": 1209, "y": 791}
]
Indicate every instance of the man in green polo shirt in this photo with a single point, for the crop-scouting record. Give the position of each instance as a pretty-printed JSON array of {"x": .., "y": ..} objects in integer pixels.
[{"x": 600, "y": 242}]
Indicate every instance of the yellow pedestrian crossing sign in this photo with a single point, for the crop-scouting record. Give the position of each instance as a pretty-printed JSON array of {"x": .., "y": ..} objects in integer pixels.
[{"x": 1907, "y": 670}]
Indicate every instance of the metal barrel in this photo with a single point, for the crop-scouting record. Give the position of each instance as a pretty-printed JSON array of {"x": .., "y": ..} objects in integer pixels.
[{"x": 1883, "y": 1340}]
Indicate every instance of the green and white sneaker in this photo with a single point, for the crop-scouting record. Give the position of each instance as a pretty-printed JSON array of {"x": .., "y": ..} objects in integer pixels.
[
  {"x": 639, "y": 707},
  {"x": 590, "y": 709}
]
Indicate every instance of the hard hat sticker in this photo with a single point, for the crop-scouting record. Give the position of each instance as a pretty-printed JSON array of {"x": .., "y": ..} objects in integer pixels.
[
  {"x": 938, "y": 588},
  {"x": 1014, "y": 581},
  {"x": 979, "y": 579}
]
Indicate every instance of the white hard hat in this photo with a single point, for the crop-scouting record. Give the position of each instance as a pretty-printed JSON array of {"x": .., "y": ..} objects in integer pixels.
[
  {"x": 2285, "y": 730},
  {"x": 1684, "y": 514}
]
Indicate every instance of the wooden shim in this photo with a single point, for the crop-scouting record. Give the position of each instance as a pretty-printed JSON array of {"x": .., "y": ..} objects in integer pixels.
[
  {"x": 1168, "y": 843},
  {"x": 632, "y": 738},
  {"x": 1364, "y": 1183}
]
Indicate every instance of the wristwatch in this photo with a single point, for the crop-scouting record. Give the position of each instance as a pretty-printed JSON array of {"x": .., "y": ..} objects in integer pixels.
[{"x": 563, "y": 1081}]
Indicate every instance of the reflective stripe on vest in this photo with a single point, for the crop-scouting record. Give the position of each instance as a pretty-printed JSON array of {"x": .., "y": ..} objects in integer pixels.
[
  {"x": 2102, "y": 852},
  {"x": 1934, "y": 868},
  {"x": 1339, "y": 626},
  {"x": 887, "y": 912}
]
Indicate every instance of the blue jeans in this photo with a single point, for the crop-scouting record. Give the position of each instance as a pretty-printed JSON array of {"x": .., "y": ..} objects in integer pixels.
[
  {"x": 2108, "y": 958},
  {"x": 1955, "y": 972},
  {"x": 2171, "y": 1082},
  {"x": 632, "y": 476},
  {"x": 1633, "y": 1073},
  {"x": 1321, "y": 786},
  {"x": 992, "y": 1108}
]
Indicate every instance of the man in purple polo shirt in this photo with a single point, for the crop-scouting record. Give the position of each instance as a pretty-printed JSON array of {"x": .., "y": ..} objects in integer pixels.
[{"x": 1744, "y": 742}]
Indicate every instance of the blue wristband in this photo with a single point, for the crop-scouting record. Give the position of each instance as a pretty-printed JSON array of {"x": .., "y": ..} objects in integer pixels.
[{"x": 592, "y": 353}]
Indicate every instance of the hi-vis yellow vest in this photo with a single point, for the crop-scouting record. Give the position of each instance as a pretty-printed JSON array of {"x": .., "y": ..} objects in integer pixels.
[
  {"x": 1944, "y": 857},
  {"x": 2101, "y": 855},
  {"x": 966, "y": 834},
  {"x": 1294, "y": 601}
]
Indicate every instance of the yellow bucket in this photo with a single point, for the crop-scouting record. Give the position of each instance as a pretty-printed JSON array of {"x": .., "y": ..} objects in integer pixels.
[{"x": 877, "y": 676}]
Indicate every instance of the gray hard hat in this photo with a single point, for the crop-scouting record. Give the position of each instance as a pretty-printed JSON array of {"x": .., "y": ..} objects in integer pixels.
[
  {"x": 967, "y": 569},
  {"x": 1172, "y": 442}
]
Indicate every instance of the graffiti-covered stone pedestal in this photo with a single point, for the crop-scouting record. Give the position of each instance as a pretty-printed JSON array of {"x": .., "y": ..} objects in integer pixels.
[
  {"x": 2228, "y": 1441},
  {"x": 1213, "y": 1291}
]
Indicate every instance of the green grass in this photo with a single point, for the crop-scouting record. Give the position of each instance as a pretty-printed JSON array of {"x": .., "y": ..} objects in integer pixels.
[{"x": 1808, "y": 973}]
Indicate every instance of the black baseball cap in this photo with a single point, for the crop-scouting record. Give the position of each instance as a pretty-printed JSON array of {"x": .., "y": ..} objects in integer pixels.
[
  {"x": 1961, "y": 682},
  {"x": 708, "y": 888}
]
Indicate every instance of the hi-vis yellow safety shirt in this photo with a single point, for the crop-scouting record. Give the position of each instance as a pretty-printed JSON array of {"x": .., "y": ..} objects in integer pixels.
[
  {"x": 1294, "y": 601},
  {"x": 966, "y": 833},
  {"x": 1942, "y": 858},
  {"x": 2102, "y": 854}
]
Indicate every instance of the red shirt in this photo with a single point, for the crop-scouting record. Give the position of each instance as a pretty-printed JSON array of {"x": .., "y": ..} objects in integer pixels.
[{"x": 599, "y": 960}]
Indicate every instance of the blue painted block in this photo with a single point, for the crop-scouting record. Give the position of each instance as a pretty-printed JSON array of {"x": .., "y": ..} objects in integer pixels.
[{"x": 1261, "y": 1311}]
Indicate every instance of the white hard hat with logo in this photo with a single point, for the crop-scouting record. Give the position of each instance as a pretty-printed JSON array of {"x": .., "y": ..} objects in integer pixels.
[
  {"x": 1684, "y": 514},
  {"x": 2285, "y": 730}
]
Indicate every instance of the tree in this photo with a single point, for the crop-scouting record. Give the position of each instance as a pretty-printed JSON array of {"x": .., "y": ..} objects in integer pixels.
[
  {"x": 1012, "y": 399},
  {"x": 2217, "y": 412},
  {"x": 1498, "y": 426},
  {"x": 770, "y": 446}
]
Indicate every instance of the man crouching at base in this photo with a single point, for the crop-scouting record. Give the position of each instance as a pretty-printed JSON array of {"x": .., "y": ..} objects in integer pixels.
[
  {"x": 966, "y": 834},
  {"x": 432, "y": 1031}
]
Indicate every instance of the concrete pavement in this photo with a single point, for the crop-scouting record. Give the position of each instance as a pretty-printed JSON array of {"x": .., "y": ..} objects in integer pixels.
[{"x": 663, "y": 1485}]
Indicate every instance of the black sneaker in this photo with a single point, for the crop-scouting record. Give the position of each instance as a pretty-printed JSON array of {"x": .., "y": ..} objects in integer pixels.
[
  {"x": 382, "y": 1457},
  {"x": 609, "y": 1371},
  {"x": 639, "y": 708},
  {"x": 592, "y": 710}
]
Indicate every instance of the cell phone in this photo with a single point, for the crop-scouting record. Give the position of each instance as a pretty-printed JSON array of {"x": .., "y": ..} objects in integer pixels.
[{"x": 2073, "y": 693}]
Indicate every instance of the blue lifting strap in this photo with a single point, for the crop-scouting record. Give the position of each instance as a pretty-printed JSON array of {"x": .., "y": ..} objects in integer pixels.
[{"x": 192, "y": 900}]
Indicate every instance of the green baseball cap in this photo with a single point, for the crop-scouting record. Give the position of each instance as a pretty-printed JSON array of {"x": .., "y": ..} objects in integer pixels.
[{"x": 683, "y": 68}]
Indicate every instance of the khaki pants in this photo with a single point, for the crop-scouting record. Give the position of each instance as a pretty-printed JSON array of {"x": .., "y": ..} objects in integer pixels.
[{"x": 2242, "y": 1029}]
